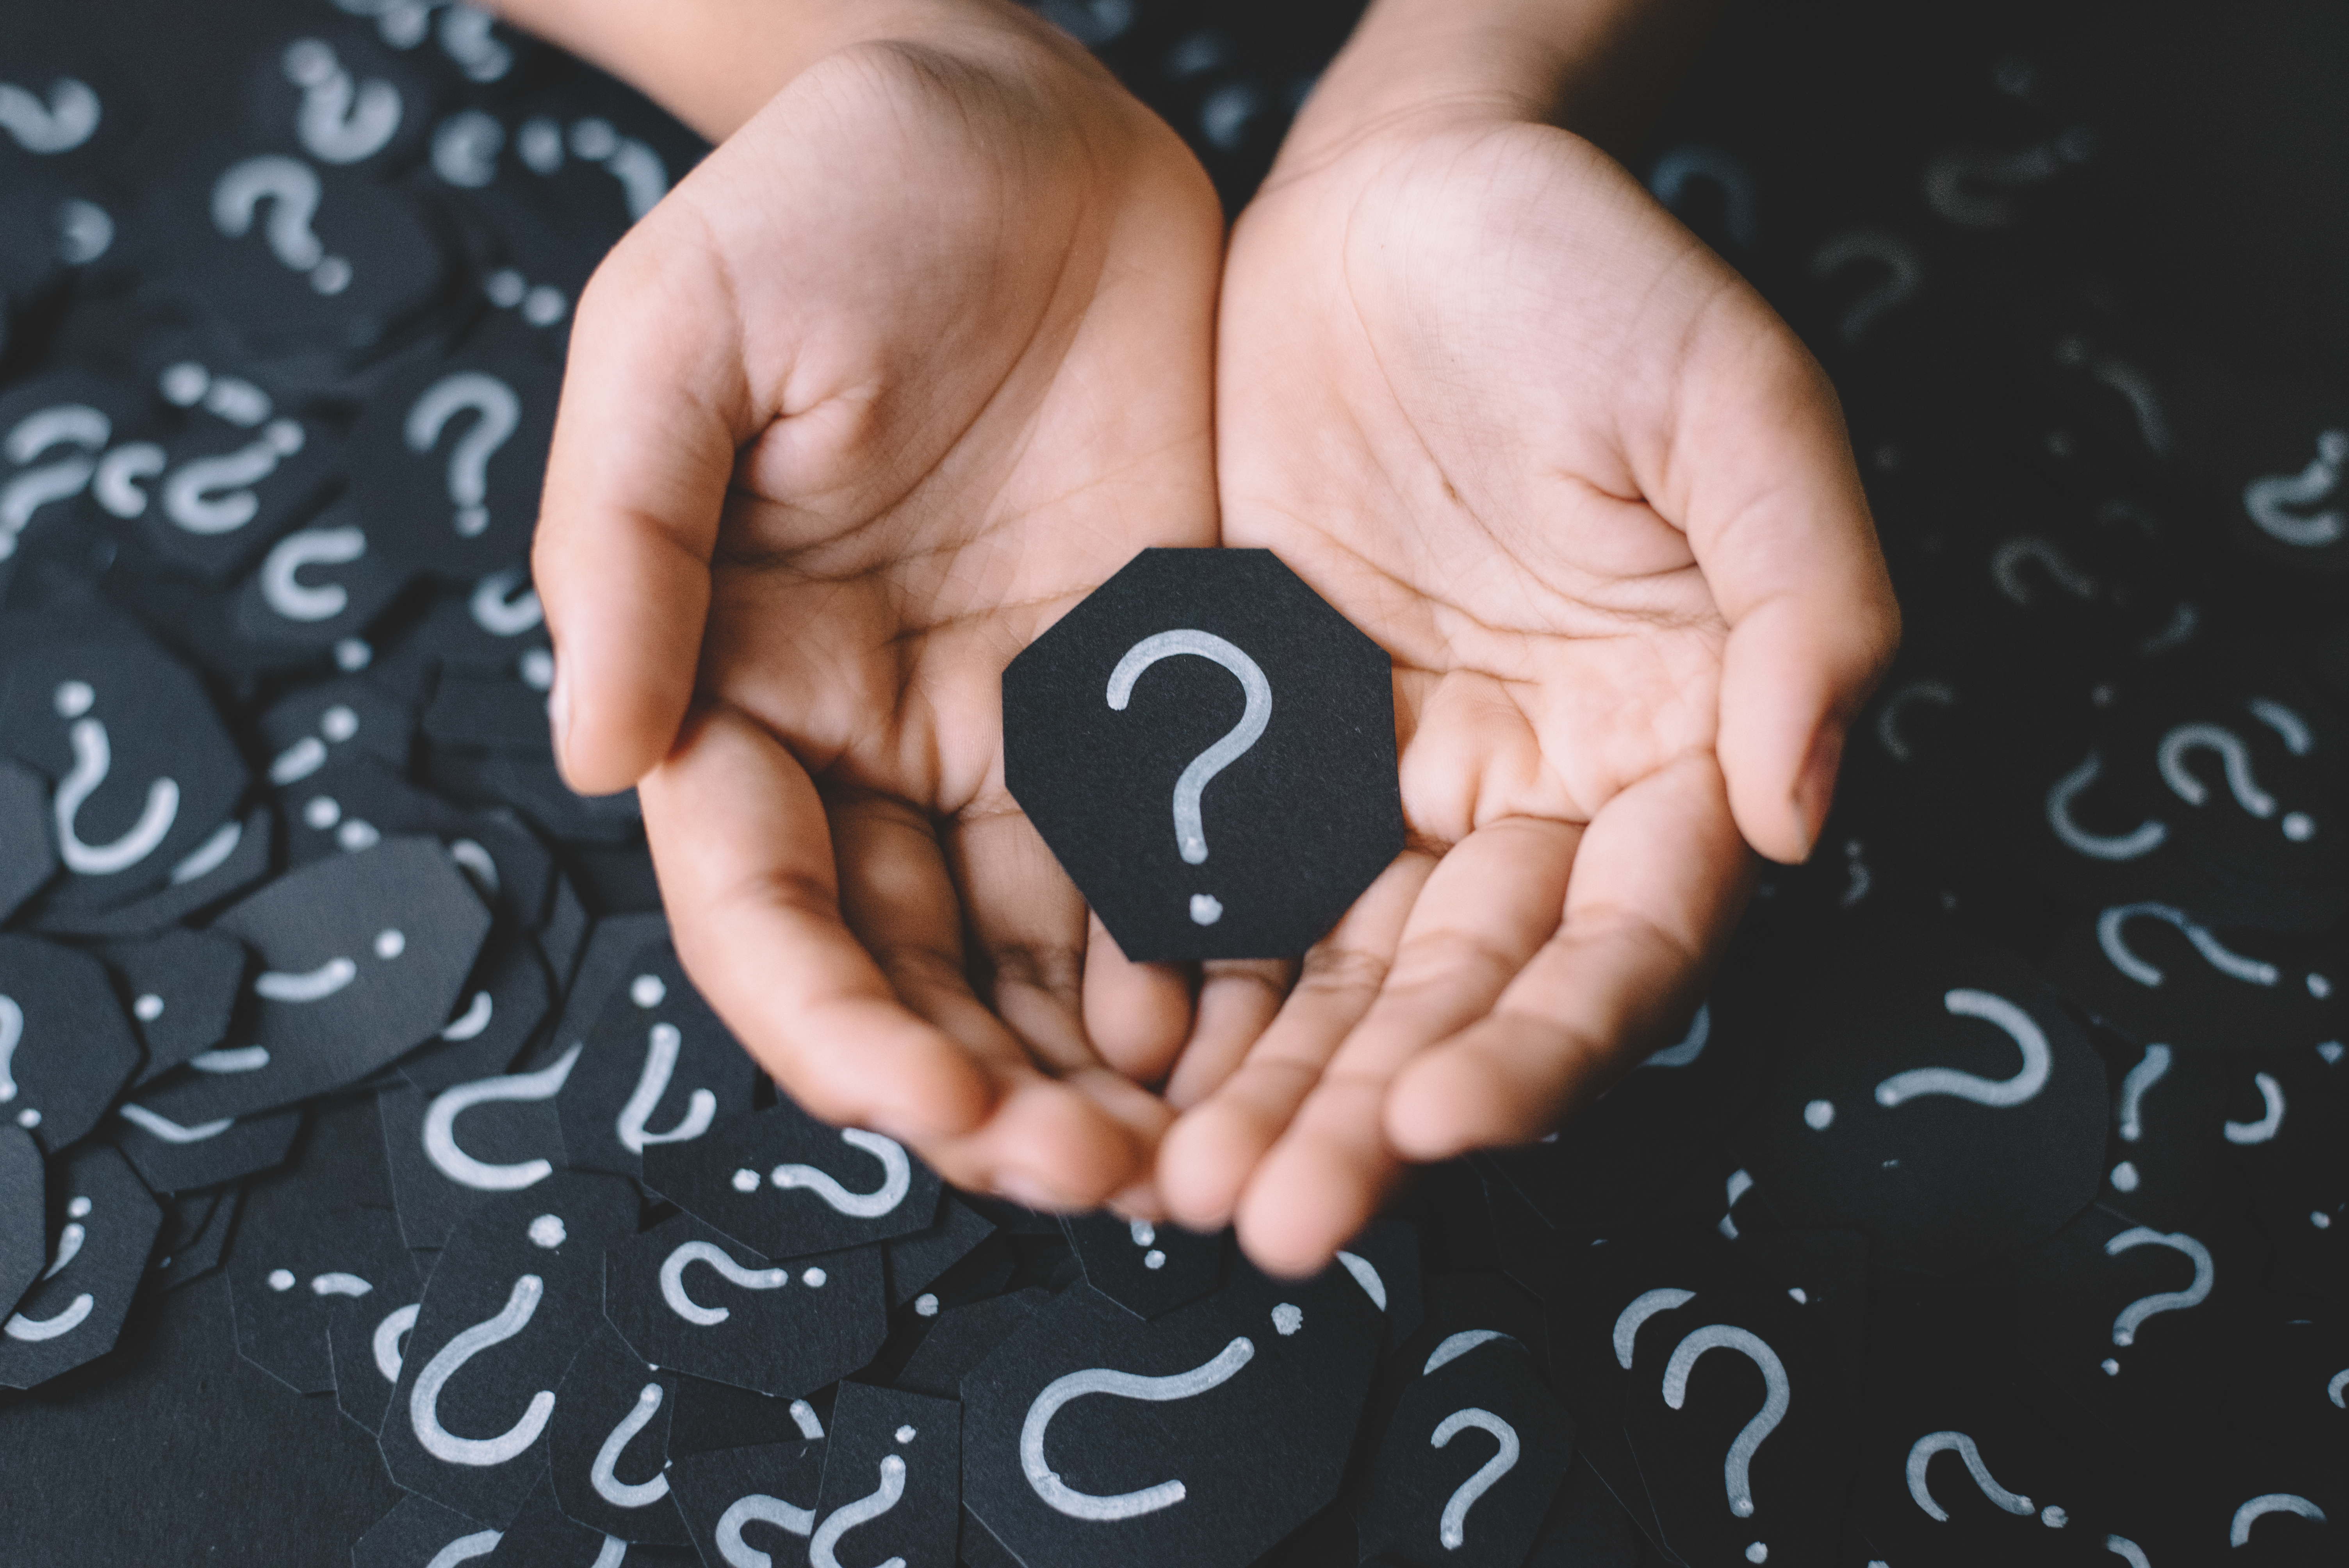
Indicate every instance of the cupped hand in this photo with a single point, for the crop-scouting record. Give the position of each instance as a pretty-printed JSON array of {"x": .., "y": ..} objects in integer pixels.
[
  {"x": 1512, "y": 419},
  {"x": 915, "y": 360}
]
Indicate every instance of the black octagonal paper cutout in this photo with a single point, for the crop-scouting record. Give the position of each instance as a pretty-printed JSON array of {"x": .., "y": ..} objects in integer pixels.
[{"x": 1210, "y": 749}]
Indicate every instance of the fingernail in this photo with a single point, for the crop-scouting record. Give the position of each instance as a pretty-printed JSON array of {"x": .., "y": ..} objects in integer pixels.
[
  {"x": 1814, "y": 791},
  {"x": 1028, "y": 1191}
]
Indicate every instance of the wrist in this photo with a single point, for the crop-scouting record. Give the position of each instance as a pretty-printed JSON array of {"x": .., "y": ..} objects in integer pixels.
[
  {"x": 1587, "y": 66},
  {"x": 715, "y": 63}
]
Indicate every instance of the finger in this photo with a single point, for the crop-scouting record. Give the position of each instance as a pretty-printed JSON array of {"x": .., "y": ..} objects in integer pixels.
[
  {"x": 1214, "y": 1145},
  {"x": 1773, "y": 507},
  {"x": 1487, "y": 907},
  {"x": 1026, "y": 924},
  {"x": 1136, "y": 1015},
  {"x": 653, "y": 407},
  {"x": 1238, "y": 999},
  {"x": 1657, "y": 883},
  {"x": 1050, "y": 1144},
  {"x": 745, "y": 857}
]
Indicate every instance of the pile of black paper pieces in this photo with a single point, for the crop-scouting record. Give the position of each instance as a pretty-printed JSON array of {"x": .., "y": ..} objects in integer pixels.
[{"x": 1994, "y": 1207}]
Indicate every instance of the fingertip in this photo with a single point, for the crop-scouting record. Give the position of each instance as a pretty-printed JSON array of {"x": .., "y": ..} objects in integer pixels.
[
  {"x": 1299, "y": 1209},
  {"x": 1202, "y": 1165}
]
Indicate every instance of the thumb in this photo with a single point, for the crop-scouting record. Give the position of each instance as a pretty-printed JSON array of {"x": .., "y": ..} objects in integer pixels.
[{"x": 654, "y": 407}]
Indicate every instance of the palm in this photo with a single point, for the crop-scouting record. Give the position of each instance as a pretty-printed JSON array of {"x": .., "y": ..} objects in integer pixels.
[
  {"x": 936, "y": 382},
  {"x": 1511, "y": 418}
]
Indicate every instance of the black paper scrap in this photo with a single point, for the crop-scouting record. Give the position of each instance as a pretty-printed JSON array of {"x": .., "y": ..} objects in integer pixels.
[
  {"x": 1931, "y": 1091},
  {"x": 1209, "y": 747},
  {"x": 785, "y": 1185},
  {"x": 658, "y": 1068},
  {"x": 362, "y": 958},
  {"x": 608, "y": 1444},
  {"x": 1470, "y": 1459},
  {"x": 452, "y": 1151},
  {"x": 1206, "y": 1435},
  {"x": 518, "y": 1289},
  {"x": 683, "y": 1297},
  {"x": 103, "y": 1229},
  {"x": 65, "y": 1047},
  {"x": 753, "y": 1505},
  {"x": 297, "y": 1269},
  {"x": 891, "y": 1479}
]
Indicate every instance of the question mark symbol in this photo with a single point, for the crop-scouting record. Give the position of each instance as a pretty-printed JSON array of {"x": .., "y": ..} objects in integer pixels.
[
  {"x": 1906, "y": 277},
  {"x": 1920, "y": 1458},
  {"x": 291, "y": 189},
  {"x": 2132, "y": 1316},
  {"x": 2298, "y": 826},
  {"x": 1963, "y": 1002},
  {"x": 1452, "y": 1529},
  {"x": 2224, "y": 959},
  {"x": 500, "y": 412},
  {"x": 1735, "y": 1468},
  {"x": 2268, "y": 498},
  {"x": 1190, "y": 830}
]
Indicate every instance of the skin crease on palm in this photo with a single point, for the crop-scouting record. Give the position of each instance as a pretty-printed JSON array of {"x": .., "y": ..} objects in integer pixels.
[{"x": 922, "y": 354}]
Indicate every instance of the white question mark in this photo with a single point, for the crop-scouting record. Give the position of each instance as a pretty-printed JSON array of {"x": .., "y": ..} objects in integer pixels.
[
  {"x": 2133, "y": 1315},
  {"x": 1190, "y": 831},
  {"x": 896, "y": 1178},
  {"x": 2142, "y": 839},
  {"x": 604, "y": 1474},
  {"x": 2135, "y": 1086},
  {"x": 69, "y": 1239},
  {"x": 2185, "y": 738},
  {"x": 1453, "y": 1530},
  {"x": 500, "y": 412},
  {"x": 1963, "y": 1002},
  {"x": 2239, "y": 1533},
  {"x": 1735, "y": 1469},
  {"x": 441, "y": 1127},
  {"x": 1146, "y": 1234},
  {"x": 281, "y": 587},
  {"x": 340, "y": 120},
  {"x": 1062, "y": 1498},
  {"x": 93, "y": 759},
  {"x": 823, "y": 1546},
  {"x": 2235, "y": 965},
  {"x": 64, "y": 122},
  {"x": 672, "y": 1281},
  {"x": 1906, "y": 276},
  {"x": 424, "y": 1399},
  {"x": 1952, "y": 181},
  {"x": 75, "y": 423},
  {"x": 1675, "y": 169},
  {"x": 1920, "y": 1456},
  {"x": 2267, "y": 498},
  {"x": 291, "y": 187},
  {"x": 2271, "y": 1121}
]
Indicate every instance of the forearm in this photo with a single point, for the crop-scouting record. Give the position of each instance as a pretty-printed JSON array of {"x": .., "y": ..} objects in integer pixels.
[
  {"x": 1593, "y": 67},
  {"x": 714, "y": 63}
]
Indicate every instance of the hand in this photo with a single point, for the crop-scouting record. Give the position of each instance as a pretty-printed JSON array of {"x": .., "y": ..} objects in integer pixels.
[
  {"x": 1511, "y": 418},
  {"x": 907, "y": 368}
]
